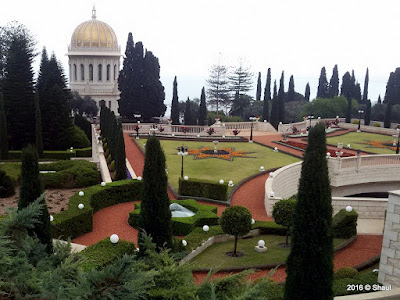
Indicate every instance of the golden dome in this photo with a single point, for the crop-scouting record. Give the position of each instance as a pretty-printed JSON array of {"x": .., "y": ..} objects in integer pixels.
[{"x": 94, "y": 34}]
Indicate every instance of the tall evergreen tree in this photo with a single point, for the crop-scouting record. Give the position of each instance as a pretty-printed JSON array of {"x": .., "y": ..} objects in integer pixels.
[
  {"x": 388, "y": 115},
  {"x": 38, "y": 128},
  {"x": 290, "y": 93},
  {"x": 334, "y": 83},
  {"x": 267, "y": 96},
  {"x": 379, "y": 99},
  {"x": 392, "y": 94},
  {"x": 323, "y": 86},
  {"x": 190, "y": 118},
  {"x": 32, "y": 188},
  {"x": 18, "y": 90},
  {"x": 367, "y": 116},
  {"x": 175, "y": 104},
  {"x": 347, "y": 86},
  {"x": 258, "y": 93},
  {"x": 241, "y": 79},
  {"x": 203, "y": 108},
  {"x": 155, "y": 216},
  {"x": 307, "y": 92},
  {"x": 310, "y": 262},
  {"x": 366, "y": 81},
  {"x": 120, "y": 157},
  {"x": 274, "y": 108},
  {"x": 218, "y": 87},
  {"x": 357, "y": 92},
  {"x": 281, "y": 100},
  {"x": 3, "y": 131}
]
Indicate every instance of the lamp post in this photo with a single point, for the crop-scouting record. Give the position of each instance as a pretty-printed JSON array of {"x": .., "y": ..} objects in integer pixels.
[
  {"x": 182, "y": 150},
  {"x": 310, "y": 117},
  {"x": 398, "y": 141},
  {"x": 360, "y": 112},
  {"x": 252, "y": 119}
]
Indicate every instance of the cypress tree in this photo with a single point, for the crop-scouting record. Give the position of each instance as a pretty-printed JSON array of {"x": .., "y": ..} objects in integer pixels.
[
  {"x": 32, "y": 188},
  {"x": 38, "y": 128},
  {"x": 357, "y": 92},
  {"x": 347, "y": 86},
  {"x": 348, "y": 111},
  {"x": 190, "y": 119},
  {"x": 290, "y": 93},
  {"x": 307, "y": 92},
  {"x": 155, "y": 216},
  {"x": 267, "y": 96},
  {"x": 388, "y": 115},
  {"x": 203, "y": 108},
  {"x": 310, "y": 262},
  {"x": 367, "y": 116},
  {"x": 379, "y": 99},
  {"x": 281, "y": 100},
  {"x": 274, "y": 108},
  {"x": 323, "y": 87},
  {"x": 258, "y": 93},
  {"x": 175, "y": 104},
  {"x": 334, "y": 83},
  {"x": 3, "y": 131},
  {"x": 120, "y": 157},
  {"x": 365, "y": 94}
]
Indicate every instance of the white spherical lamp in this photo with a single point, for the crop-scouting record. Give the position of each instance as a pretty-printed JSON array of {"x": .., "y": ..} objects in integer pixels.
[
  {"x": 114, "y": 238},
  {"x": 348, "y": 146},
  {"x": 262, "y": 168},
  {"x": 81, "y": 193},
  {"x": 139, "y": 178},
  {"x": 252, "y": 221},
  {"x": 172, "y": 134},
  {"x": 349, "y": 208},
  {"x": 186, "y": 177},
  {"x": 221, "y": 181},
  {"x": 81, "y": 206},
  {"x": 198, "y": 135},
  {"x": 184, "y": 243},
  {"x": 72, "y": 148},
  {"x": 271, "y": 174},
  {"x": 223, "y": 136},
  {"x": 51, "y": 218},
  {"x": 328, "y": 154},
  {"x": 206, "y": 228},
  {"x": 261, "y": 243},
  {"x": 276, "y": 149},
  {"x": 230, "y": 183},
  {"x": 272, "y": 194},
  {"x": 103, "y": 184}
]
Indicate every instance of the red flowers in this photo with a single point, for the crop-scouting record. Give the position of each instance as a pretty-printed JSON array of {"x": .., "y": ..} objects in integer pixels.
[{"x": 303, "y": 146}]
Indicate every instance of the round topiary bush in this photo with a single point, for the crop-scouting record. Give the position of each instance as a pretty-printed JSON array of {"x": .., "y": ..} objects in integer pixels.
[
  {"x": 7, "y": 186},
  {"x": 345, "y": 273}
]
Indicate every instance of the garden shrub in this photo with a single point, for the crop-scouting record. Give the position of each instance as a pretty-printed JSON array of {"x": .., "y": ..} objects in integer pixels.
[
  {"x": 104, "y": 252},
  {"x": 112, "y": 166},
  {"x": 107, "y": 153},
  {"x": 109, "y": 159},
  {"x": 84, "y": 124},
  {"x": 344, "y": 224},
  {"x": 198, "y": 236},
  {"x": 77, "y": 138},
  {"x": 74, "y": 222},
  {"x": 345, "y": 273},
  {"x": 377, "y": 124},
  {"x": 269, "y": 227},
  {"x": 105, "y": 147},
  {"x": 57, "y": 155},
  {"x": 341, "y": 286},
  {"x": 84, "y": 152},
  {"x": 7, "y": 185},
  {"x": 12, "y": 170},
  {"x": 203, "y": 188},
  {"x": 355, "y": 122}
]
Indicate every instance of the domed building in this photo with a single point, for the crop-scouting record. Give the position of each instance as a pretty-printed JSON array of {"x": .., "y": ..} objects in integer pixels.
[{"x": 94, "y": 62}]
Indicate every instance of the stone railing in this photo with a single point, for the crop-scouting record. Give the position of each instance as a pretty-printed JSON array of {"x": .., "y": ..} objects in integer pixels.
[
  {"x": 371, "y": 129},
  {"x": 302, "y": 126},
  {"x": 348, "y": 176},
  {"x": 98, "y": 156}
]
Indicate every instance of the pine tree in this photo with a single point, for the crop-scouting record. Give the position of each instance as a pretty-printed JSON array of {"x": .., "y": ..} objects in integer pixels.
[
  {"x": 18, "y": 90},
  {"x": 323, "y": 87},
  {"x": 218, "y": 91},
  {"x": 307, "y": 92},
  {"x": 334, "y": 83},
  {"x": 3, "y": 131},
  {"x": 281, "y": 100},
  {"x": 175, "y": 104},
  {"x": 241, "y": 79},
  {"x": 32, "y": 188},
  {"x": 365, "y": 94},
  {"x": 367, "y": 116},
  {"x": 310, "y": 262},
  {"x": 290, "y": 93},
  {"x": 258, "y": 93},
  {"x": 388, "y": 115},
  {"x": 267, "y": 96},
  {"x": 38, "y": 128},
  {"x": 274, "y": 108},
  {"x": 155, "y": 216},
  {"x": 203, "y": 108}
]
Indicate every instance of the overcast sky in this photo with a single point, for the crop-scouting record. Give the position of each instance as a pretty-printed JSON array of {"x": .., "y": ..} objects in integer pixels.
[{"x": 298, "y": 37}]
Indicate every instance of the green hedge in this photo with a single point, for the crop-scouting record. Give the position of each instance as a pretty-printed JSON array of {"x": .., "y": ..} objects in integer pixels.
[
  {"x": 269, "y": 227},
  {"x": 205, "y": 215},
  {"x": 58, "y": 155},
  {"x": 70, "y": 174},
  {"x": 346, "y": 272},
  {"x": 203, "y": 188},
  {"x": 75, "y": 222},
  {"x": 7, "y": 185},
  {"x": 344, "y": 224},
  {"x": 84, "y": 152},
  {"x": 198, "y": 236},
  {"x": 104, "y": 252}
]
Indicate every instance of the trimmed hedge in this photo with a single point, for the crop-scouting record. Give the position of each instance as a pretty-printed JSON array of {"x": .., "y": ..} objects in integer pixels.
[
  {"x": 203, "y": 188},
  {"x": 104, "y": 252},
  {"x": 84, "y": 152},
  {"x": 58, "y": 155},
  {"x": 7, "y": 185},
  {"x": 198, "y": 236},
  {"x": 75, "y": 222},
  {"x": 205, "y": 215},
  {"x": 70, "y": 174},
  {"x": 346, "y": 272},
  {"x": 269, "y": 227},
  {"x": 344, "y": 224}
]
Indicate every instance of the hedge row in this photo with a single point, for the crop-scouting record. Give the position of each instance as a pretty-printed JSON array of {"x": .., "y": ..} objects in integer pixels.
[
  {"x": 59, "y": 155},
  {"x": 84, "y": 152},
  {"x": 75, "y": 222},
  {"x": 104, "y": 252},
  {"x": 7, "y": 185},
  {"x": 344, "y": 224},
  {"x": 205, "y": 215},
  {"x": 203, "y": 188}
]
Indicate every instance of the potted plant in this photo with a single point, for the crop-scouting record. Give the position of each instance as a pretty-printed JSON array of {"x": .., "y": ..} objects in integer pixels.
[
  {"x": 210, "y": 131},
  {"x": 236, "y": 132}
]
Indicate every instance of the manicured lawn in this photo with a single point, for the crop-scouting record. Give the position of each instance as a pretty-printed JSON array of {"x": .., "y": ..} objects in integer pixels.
[
  {"x": 359, "y": 140},
  {"x": 215, "y": 168},
  {"x": 215, "y": 257}
]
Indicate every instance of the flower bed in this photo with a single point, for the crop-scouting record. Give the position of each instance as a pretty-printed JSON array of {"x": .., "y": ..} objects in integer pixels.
[
  {"x": 303, "y": 146},
  {"x": 224, "y": 153}
]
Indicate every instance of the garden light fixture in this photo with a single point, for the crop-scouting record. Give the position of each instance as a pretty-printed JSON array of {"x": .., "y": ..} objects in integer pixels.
[
  {"x": 182, "y": 151},
  {"x": 81, "y": 206},
  {"x": 114, "y": 238}
]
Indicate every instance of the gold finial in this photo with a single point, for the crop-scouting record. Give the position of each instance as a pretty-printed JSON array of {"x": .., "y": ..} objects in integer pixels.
[{"x": 94, "y": 12}]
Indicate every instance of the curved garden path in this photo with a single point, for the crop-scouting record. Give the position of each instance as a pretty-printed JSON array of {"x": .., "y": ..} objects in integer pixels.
[{"x": 251, "y": 195}]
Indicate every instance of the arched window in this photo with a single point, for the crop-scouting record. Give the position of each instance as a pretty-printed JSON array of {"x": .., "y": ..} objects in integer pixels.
[
  {"x": 75, "y": 73},
  {"x": 91, "y": 72},
  {"x": 82, "y": 72},
  {"x": 115, "y": 72},
  {"x": 100, "y": 72},
  {"x": 108, "y": 72}
]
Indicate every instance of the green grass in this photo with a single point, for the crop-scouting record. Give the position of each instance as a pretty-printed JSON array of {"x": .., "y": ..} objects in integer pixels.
[
  {"x": 215, "y": 257},
  {"x": 13, "y": 170},
  {"x": 216, "y": 169},
  {"x": 356, "y": 140}
]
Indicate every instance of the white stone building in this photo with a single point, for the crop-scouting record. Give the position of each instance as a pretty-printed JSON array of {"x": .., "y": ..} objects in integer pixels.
[{"x": 94, "y": 62}]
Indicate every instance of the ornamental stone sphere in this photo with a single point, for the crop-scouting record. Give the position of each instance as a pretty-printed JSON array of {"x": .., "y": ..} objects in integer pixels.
[
  {"x": 252, "y": 221},
  {"x": 184, "y": 243},
  {"x": 349, "y": 208},
  {"x": 139, "y": 178},
  {"x": 103, "y": 184},
  {"x": 186, "y": 178},
  {"x": 81, "y": 206},
  {"x": 261, "y": 243},
  {"x": 51, "y": 218},
  {"x": 221, "y": 181},
  {"x": 81, "y": 193},
  {"x": 114, "y": 238},
  {"x": 206, "y": 228}
]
